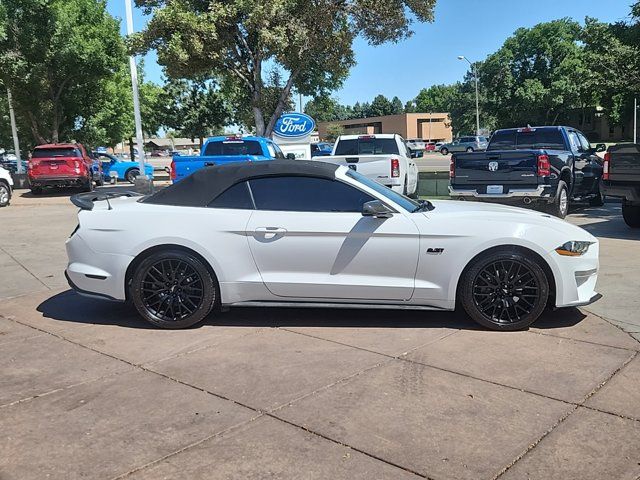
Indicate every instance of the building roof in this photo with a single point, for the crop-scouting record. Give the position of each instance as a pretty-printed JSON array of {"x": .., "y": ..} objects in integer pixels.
[{"x": 201, "y": 187}]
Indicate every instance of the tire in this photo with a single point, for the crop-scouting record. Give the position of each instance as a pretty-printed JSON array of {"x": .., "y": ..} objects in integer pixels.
[
  {"x": 560, "y": 206},
  {"x": 186, "y": 296},
  {"x": 100, "y": 181},
  {"x": 88, "y": 185},
  {"x": 5, "y": 194},
  {"x": 631, "y": 215},
  {"x": 469, "y": 150},
  {"x": 598, "y": 200},
  {"x": 505, "y": 290},
  {"x": 36, "y": 190},
  {"x": 132, "y": 174},
  {"x": 444, "y": 151}
]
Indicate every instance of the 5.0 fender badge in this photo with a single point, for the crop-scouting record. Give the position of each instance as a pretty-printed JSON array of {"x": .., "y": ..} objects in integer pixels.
[{"x": 435, "y": 251}]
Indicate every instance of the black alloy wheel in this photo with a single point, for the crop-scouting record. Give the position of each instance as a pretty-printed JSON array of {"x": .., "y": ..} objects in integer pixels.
[
  {"x": 173, "y": 289},
  {"x": 505, "y": 291}
]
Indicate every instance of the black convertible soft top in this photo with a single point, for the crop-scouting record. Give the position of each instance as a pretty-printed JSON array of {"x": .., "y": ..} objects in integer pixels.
[{"x": 200, "y": 188}]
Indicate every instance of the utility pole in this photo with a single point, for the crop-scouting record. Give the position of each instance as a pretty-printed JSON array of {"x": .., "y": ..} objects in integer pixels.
[
  {"x": 635, "y": 120},
  {"x": 475, "y": 74},
  {"x": 14, "y": 132},
  {"x": 145, "y": 185}
]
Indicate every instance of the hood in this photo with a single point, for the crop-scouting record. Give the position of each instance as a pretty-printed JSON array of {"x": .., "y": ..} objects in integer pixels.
[{"x": 493, "y": 212}]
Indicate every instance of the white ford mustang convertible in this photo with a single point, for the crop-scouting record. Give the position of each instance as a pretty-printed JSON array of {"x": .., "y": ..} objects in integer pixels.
[{"x": 312, "y": 234}]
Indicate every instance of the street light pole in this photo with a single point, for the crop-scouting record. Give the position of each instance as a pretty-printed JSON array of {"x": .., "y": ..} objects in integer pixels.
[
  {"x": 136, "y": 99},
  {"x": 475, "y": 75},
  {"x": 635, "y": 120},
  {"x": 14, "y": 132}
]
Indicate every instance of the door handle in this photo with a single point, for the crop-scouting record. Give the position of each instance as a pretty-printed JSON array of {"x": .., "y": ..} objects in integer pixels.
[{"x": 271, "y": 230}]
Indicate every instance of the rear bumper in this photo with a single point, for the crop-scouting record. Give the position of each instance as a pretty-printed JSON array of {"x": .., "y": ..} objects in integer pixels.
[
  {"x": 542, "y": 192},
  {"x": 57, "y": 181},
  {"x": 628, "y": 192}
]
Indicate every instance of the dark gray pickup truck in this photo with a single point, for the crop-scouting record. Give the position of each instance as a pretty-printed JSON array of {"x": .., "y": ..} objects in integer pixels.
[
  {"x": 621, "y": 178},
  {"x": 548, "y": 167}
]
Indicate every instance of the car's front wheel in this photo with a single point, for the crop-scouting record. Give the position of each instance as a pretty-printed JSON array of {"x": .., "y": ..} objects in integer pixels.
[
  {"x": 173, "y": 289},
  {"x": 504, "y": 290},
  {"x": 469, "y": 150},
  {"x": 5, "y": 194}
]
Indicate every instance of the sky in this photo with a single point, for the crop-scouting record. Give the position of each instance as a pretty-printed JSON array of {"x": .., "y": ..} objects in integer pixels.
[{"x": 473, "y": 28}]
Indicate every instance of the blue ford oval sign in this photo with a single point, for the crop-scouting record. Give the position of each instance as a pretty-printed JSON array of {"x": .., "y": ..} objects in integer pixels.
[{"x": 294, "y": 125}]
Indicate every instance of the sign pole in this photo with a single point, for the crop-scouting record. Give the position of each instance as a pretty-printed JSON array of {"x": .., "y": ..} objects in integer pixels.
[{"x": 14, "y": 133}]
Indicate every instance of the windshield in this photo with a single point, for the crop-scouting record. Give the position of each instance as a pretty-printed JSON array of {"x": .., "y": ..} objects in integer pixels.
[
  {"x": 405, "y": 202},
  {"x": 367, "y": 146}
]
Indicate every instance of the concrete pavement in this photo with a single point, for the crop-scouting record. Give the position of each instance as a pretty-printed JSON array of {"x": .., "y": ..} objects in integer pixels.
[{"x": 88, "y": 390}]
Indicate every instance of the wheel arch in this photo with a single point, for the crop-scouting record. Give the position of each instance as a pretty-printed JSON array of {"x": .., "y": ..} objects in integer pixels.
[
  {"x": 167, "y": 246},
  {"x": 546, "y": 267}
]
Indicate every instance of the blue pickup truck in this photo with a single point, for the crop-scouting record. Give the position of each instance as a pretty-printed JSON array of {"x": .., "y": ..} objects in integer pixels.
[{"x": 221, "y": 150}]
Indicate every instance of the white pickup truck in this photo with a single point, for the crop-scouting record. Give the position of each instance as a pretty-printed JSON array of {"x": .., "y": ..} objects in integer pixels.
[
  {"x": 382, "y": 157},
  {"x": 6, "y": 185}
]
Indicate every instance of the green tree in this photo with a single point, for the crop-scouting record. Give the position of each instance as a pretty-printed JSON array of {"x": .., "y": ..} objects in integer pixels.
[
  {"x": 334, "y": 130},
  {"x": 379, "y": 107},
  {"x": 235, "y": 39},
  {"x": 55, "y": 56},
  {"x": 536, "y": 77},
  {"x": 327, "y": 109},
  {"x": 437, "y": 98},
  {"x": 396, "y": 106}
]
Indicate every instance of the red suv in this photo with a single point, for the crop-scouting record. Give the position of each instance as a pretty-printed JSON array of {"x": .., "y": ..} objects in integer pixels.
[{"x": 62, "y": 165}]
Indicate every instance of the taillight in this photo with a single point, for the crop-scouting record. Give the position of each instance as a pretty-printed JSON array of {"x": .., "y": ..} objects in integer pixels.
[
  {"x": 395, "y": 167},
  {"x": 173, "y": 175},
  {"x": 606, "y": 166},
  {"x": 544, "y": 167},
  {"x": 452, "y": 167}
]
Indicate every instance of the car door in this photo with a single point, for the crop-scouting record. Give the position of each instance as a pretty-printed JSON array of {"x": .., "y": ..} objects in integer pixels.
[
  {"x": 579, "y": 163},
  {"x": 309, "y": 239},
  {"x": 590, "y": 166}
]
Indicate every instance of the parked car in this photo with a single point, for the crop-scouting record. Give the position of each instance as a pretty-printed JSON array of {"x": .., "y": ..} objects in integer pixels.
[
  {"x": 383, "y": 157},
  {"x": 125, "y": 170},
  {"x": 6, "y": 187},
  {"x": 416, "y": 144},
  {"x": 621, "y": 178},
  {"x": 312, "y": 234},
  {"x": 430, "y": 146},
  {"x": 227, "y": 149},
  {"x": 465, "y": 144},
  {"x": 63, "y": 165},
  {"x": 549, "y": 167},
  {"x": 12, "y": 165},
  {"x": 321, "y": 149}
]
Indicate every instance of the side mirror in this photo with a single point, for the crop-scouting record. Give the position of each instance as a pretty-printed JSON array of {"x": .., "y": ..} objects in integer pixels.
[
  {"x": 601, "y": 147},
  {"x": 291, "y": 156},
  {"x": 375, "y": 208}
]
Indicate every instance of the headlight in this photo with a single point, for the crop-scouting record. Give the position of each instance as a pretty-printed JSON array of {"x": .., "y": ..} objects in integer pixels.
[{"x": 573, "y": 248}]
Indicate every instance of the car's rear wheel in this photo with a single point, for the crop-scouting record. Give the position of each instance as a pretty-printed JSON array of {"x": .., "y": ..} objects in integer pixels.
[
  {"x": 132, "y": 174},
  {"x": 173, "y": 289},
  {"x": 469, "y": 150},
  {"x": 87, "y": 186},
  {"x": 5, "y": 194},
  {"x": 444, "y": 151},
  {"x": 631, "y": 215},
  {"x": 505, "y": 290},
  {"x": 598, "y": 199},
  {"x": 560, "y": 206}
]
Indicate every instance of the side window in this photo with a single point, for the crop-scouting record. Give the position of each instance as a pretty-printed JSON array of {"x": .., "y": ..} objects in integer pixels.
[
  {"x": 279, "y": 153},
  {"x": 236, "y": 196},
  {"x": 271, "y": 150},
  {"x": 574, "y": 141},
  {"x": 306, "y": 194},
  {"x": 586, "y": 146}
]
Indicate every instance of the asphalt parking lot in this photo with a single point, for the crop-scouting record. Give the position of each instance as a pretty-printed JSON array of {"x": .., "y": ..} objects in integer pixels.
[{"x": 88, "y": 390}]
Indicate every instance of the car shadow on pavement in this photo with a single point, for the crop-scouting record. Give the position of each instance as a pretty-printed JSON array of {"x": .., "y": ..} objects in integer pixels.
[
  {"x": 70, "y": 307},
  {"x": 605, "y": 222}
]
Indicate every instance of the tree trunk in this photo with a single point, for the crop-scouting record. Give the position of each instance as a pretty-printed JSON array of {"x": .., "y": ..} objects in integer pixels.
[
  {"x": 286, "y": 91},
  {"x": 35, "y": 130},
  {"x": 131, "y": 150},
  {"x": 256, "y": 97}
]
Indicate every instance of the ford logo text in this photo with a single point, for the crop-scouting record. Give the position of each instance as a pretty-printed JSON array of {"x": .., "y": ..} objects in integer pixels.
[{"x": 294, "y": 125}]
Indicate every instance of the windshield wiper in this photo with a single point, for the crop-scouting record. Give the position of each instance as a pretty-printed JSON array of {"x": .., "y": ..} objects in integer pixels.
[{"x": 423, "y": 205}]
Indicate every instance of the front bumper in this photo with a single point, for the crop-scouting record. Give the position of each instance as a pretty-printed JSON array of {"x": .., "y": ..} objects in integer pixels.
[{"x": 576, "y": 278}]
